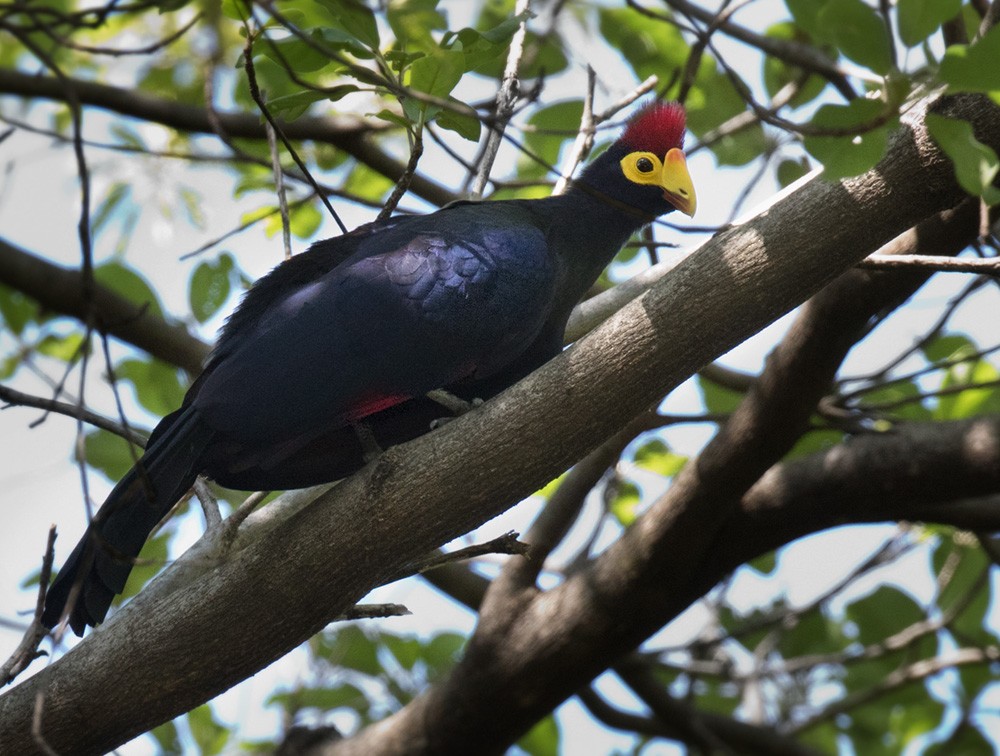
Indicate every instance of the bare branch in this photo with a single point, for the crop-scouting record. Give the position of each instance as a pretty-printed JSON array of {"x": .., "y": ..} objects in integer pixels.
[
  {"x": 349, "y": 134},
  {"x": 980, "y": 266},
  {"x": 506, "y": 99},
  {"x": 27, "y": 650},
  {"x": 13, "y": 398}
]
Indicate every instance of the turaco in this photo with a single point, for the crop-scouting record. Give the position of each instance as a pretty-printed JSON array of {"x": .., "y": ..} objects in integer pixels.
[{"x": 358, "y": 329}]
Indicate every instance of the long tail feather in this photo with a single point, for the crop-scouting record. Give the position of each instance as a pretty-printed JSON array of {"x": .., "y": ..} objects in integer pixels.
[{"x": 100, "y": 564}]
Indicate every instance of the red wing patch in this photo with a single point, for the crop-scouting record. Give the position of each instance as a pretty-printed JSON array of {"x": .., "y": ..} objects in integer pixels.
[{"x": 369, "y": 404}]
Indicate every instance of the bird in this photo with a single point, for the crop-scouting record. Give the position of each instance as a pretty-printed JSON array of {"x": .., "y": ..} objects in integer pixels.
[{"x": 331, "y": 355}]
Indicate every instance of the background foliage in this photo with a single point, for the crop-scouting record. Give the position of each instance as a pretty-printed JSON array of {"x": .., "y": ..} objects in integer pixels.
[{"x": 893, "y": 651}]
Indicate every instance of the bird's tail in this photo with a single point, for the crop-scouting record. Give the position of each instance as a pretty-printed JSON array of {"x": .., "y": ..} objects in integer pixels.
[{"x": 100, "y": 564}]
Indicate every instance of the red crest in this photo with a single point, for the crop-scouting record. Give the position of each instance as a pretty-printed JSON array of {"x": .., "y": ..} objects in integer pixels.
[{"x": 657, "y": 128}]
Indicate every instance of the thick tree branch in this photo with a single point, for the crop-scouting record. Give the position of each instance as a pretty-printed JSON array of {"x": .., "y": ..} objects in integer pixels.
[
  {"x": 350, "y": 134},
  {"x": 61, "y": 290},
  {"x": 633, "y": 588},
  {"x": 167, "y": 652}
]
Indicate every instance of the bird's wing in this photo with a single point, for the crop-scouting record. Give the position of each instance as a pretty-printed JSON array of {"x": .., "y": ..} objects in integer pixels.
[{"x": 415, "y": 308}]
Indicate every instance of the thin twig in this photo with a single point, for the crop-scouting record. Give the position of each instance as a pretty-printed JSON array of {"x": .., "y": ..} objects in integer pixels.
[
  {"x": 13, "y": 398},
  {"x": 584, "y": 137},
  {"x": 985, "y": 266},
  {"x": 505, "y": 544},
  {"x": 27, "y": 650},
  {"x": 259, "y": 100},
  {"x": 279, "y": 188},
  {"x": 416, "y": 150},
  {"x": 506, "y": 97}
]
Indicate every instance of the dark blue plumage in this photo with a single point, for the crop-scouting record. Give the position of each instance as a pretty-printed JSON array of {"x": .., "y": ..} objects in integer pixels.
[{"x": 359, "y": 328}]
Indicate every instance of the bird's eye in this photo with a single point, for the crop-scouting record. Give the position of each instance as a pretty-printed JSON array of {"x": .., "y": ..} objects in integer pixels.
[{"x": 644, "y": 165}]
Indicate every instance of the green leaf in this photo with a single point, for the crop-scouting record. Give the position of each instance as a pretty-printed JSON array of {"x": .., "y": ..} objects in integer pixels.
[
  {"x": 437, "y": 73},
  {"x": 412, "y": 22},
  {"x": 824, "y": 737},
  {"x": 192, "y": 202},
  {"x": 973, "y": 68},
  {"x": 299, "y": 55},
  {"x": 210, "y": 736},
  {"x": 899, "y": 391},
  {"x": 882, "y": 613},
  {"x": 108, "y": 453},
  {"x": 126, "y": 282},
  {"x": 442, "y": 651},
  {"x": 815, "y": 441},
  {"x": 859, "y": 31},
  {"x": 765, "y": 564},
  {"x": 542, "y": 739},
  {"x": 918, "y": 19},
  {"x": 289, "y": 107},
  {"x": 656, "y": 456},
  {"x": 62, "y": 347},
  {"x": 952, "y": 551},
  {"x": 778, "y": 73},
  {"x": 895, "y": 720},
  {"x": 158, "y": 387},
  {"x": 717, "y": 399},
  {"x": 551, "y": 127},
  {"x": 960, "y": 563},
  {"x": 543, "y": 56},
  {"x": 16, "y": 309},
  {"x": 849, "y": 155},
  {"x": 711, "y": 101},
  {"x": 167, "y": 739},
  {"x": 211, "y": 284},
  {"x": 303, "y": 221},
  {"x": 790, "y": 171},
  {"x": 356, "y": 18},
  {"x": 949, "y": 346},
  {"x": 117, "y": 193},
  {"x": 325, "y": 699},
  {"x": 649, "y": 47},
  {"x": 814, "y": 633},
  {"x": 972, "y": 401},
  {"x": 624, "y": 502},
  {"x": 406, "y": 650},
  {"x": 976, "y": 164},
  {"x": 806, "y": 16},
  {"x": 348, "y": 647},
  {"x": 366, "y": 183},
  {"x": 463, "y": 124}
]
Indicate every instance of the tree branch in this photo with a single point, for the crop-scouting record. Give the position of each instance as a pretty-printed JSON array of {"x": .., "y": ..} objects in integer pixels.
[
  {"x": 61, "y": 290},
  {"x": 352, "y": 135}
]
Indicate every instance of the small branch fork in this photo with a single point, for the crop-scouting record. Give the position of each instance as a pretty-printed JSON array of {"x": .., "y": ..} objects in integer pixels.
[
  {"x": 506, "y": 99},
  {"x": 27, "y": 650}
]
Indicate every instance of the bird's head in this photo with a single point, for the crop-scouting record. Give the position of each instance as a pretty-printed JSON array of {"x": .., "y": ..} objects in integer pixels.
[{"x": 646, "y": 168}]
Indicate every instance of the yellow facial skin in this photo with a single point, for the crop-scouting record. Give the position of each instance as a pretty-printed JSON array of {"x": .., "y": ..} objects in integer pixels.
[{"x": 670, "y": 174}]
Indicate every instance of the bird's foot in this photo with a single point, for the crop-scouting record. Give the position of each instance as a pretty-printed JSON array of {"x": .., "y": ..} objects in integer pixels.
[
  {"x": 369, "y": 446},
  {"x": 454, "y": 404}
]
